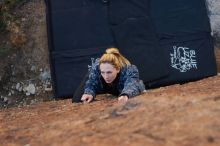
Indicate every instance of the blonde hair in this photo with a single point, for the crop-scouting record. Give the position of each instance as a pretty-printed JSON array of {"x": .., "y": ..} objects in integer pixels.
[{"x": 114, "y": 57}]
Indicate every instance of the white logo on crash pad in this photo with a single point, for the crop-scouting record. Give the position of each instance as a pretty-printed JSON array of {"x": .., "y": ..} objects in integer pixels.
[
  {"x": 183, "y": 59},
  {"x": 93, "y": 63}
]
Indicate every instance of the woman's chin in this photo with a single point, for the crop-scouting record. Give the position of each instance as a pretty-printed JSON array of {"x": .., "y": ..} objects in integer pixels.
[{"x": 108, "y": 82}]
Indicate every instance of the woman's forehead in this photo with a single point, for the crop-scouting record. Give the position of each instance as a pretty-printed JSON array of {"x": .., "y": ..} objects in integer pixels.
[
  {"x": 109, "y": 65},
  {"x": 106, "y": 66}
]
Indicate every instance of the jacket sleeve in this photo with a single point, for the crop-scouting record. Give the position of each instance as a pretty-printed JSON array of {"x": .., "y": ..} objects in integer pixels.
[
  {"x": 133, "y": 86},
  {"x": 92, "y": 83}
]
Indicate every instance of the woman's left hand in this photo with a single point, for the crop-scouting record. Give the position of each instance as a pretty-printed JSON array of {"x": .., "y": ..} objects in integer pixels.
[{"x": 123, "y": 99}]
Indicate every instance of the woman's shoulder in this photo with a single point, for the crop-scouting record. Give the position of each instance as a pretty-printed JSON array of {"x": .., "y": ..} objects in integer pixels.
[{"x": 129, "y": 69}]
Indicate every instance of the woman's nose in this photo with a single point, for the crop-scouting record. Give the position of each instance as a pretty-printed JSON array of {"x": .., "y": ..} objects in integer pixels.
[{"x": 105, "y": 76}]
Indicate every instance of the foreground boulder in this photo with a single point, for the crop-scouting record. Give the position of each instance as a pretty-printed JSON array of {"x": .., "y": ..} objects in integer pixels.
[{"x": 178, "y": 115}]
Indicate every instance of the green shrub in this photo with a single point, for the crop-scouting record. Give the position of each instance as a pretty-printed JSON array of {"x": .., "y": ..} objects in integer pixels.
[{"x": 6, "y": 8}]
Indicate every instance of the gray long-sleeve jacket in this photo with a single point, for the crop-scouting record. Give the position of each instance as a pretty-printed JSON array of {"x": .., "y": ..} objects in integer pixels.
[{"x": 128, "y": 83}]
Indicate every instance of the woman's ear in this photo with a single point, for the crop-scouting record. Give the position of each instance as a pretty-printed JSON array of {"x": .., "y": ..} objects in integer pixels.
[{"x": 118, "y": 70}]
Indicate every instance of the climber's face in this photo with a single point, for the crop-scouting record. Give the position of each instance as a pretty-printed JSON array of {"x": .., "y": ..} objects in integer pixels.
[{"x": 108, "y": 72}]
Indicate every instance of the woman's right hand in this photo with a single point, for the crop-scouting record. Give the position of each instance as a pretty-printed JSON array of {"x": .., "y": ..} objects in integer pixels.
[{"x": 86, "y": 98}]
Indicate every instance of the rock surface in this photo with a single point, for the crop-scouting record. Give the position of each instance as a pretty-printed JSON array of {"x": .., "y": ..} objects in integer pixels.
[{"x": 177, "y": 115}]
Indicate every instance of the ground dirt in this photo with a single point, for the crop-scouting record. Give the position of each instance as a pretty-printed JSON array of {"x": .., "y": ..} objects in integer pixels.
[
  {"x": 177, "y": 115},
  {"x": 25, "y": 56}
]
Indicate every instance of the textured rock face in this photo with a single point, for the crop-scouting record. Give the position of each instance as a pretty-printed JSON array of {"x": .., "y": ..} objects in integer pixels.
[
  {"x": 178, "y": 115},
  {"x": 214, "y": 14}
]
